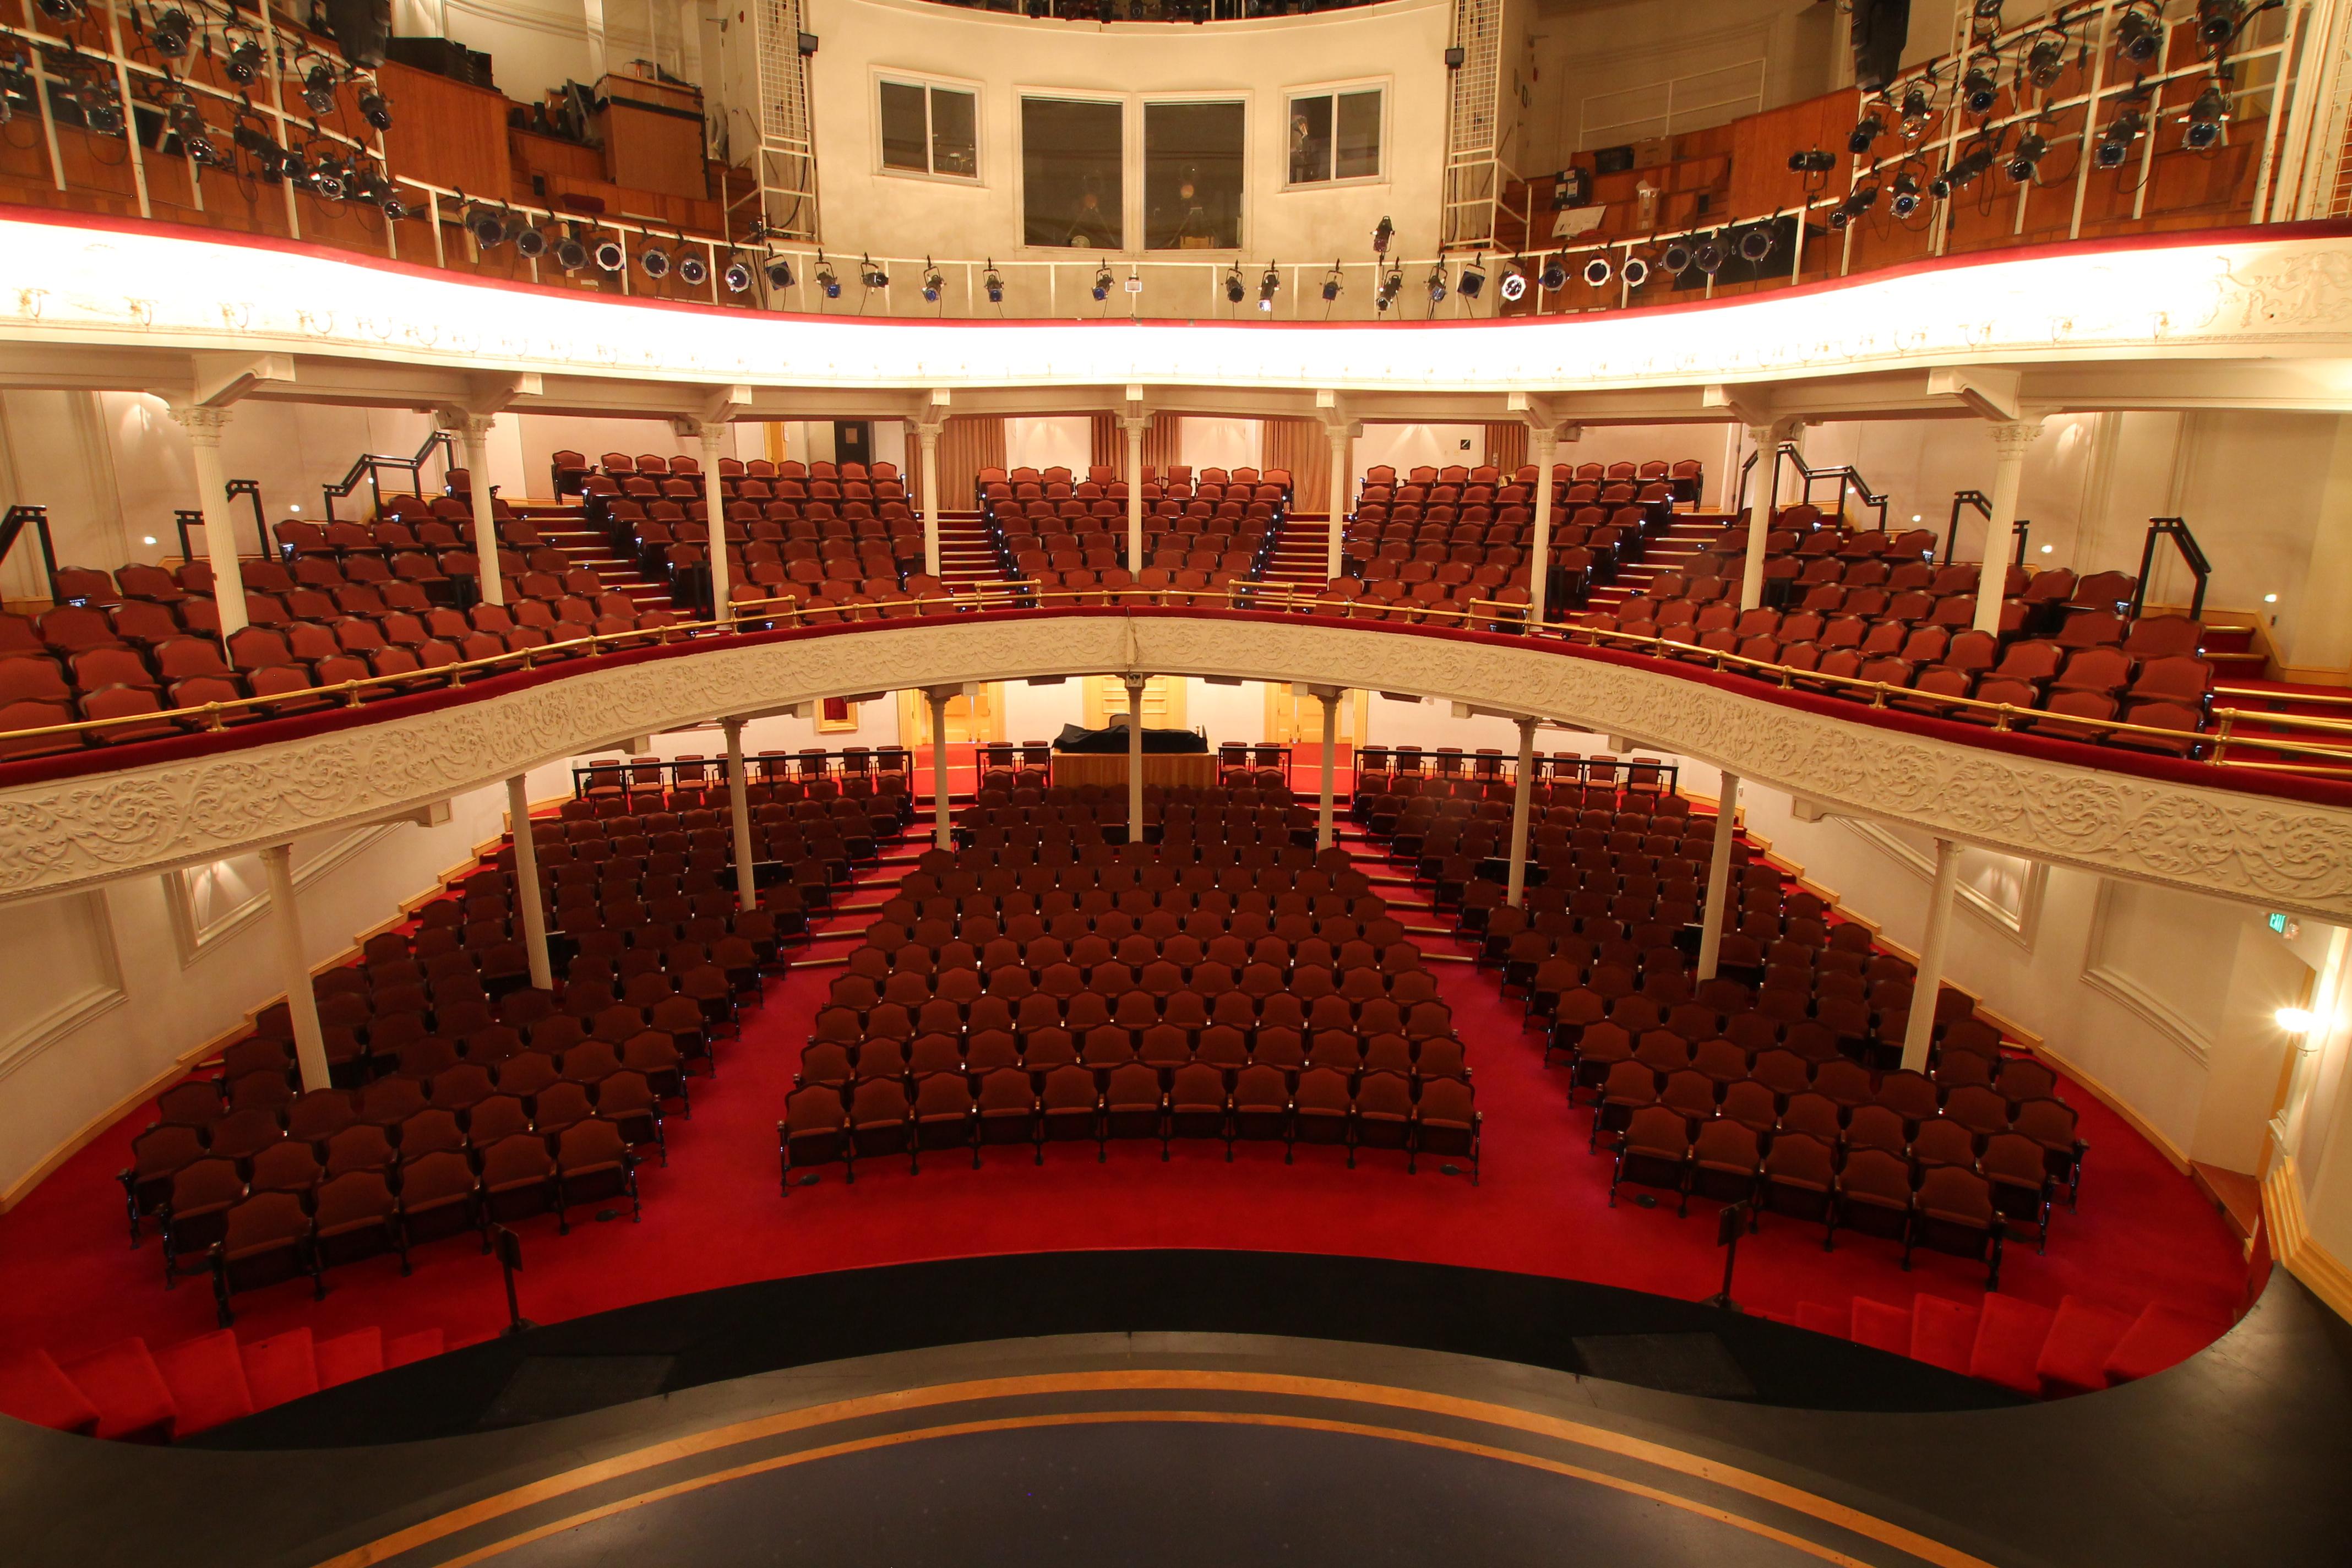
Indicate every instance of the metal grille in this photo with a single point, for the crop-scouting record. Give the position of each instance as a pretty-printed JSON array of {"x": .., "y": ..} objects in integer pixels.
[
  {"x": 1478, "y": 31},
  {"x": 787, "y": 164}
]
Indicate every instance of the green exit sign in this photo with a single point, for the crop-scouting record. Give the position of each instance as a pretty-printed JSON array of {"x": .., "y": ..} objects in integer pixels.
[{"x": 2280, "y": 923}]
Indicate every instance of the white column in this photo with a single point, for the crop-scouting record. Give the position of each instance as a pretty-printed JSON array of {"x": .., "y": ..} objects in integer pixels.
[
  {"x": 1543, "y": 449},
  {"x": 927, "y": 446},
  {"x": 940, "y": 835},
  {"x": 1719, "y": 877},
  {"x": 1135, "y": 425},
  {"x": 1343, "y": 490},
  {"x": 473, "y": 433},
  {"x": 309, "y": 1044},
  {"x": 1764, "y": 439},
  {"x": 714, "y": 502},
  {"x": 529, "y": 898},
  {"x": 1921, "y": 1028},
  {"x": 1515, "y": 891},
  {"x": 204, "y": 426},
  {"x": 1329, "y": 696},
  {"x": 747, "y": 893},
  {"x": 2010, "y": 440},
  {"x": 1135, "y": 684}
]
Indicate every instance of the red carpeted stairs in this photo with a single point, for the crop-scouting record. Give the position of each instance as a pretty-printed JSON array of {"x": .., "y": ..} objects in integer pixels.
[{"x": 2075, "y": 1349}]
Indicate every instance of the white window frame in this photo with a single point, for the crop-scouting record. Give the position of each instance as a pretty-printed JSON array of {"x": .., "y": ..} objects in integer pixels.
[
  {"x": 1138, "y": 168},
  {"x": 1334, "y": 90},
  {"x": 1131, "y": 166},
  {"x": 930, "y": 83}
]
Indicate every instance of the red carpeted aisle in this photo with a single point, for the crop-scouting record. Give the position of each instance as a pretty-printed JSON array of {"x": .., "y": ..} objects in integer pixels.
[{"x": 715, "y": 1217}]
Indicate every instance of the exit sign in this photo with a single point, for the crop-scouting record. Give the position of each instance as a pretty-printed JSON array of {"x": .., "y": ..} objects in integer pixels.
[{"x": 2284, "y": 927}]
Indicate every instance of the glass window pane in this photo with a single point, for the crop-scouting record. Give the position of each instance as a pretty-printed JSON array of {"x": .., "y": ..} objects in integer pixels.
[
  {"x": 903, "y": 136},
  {"x": 955, "y": 132},
  {"x": 1192, "y": 159},
  {"x": 1072, "y": 191},
  {"x": 1356, "y": 148},
  {"x": 1310, "y": 140}
]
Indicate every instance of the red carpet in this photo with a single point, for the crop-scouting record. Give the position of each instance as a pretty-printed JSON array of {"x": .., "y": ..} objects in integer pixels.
[{"x": 714, "y": 1217}]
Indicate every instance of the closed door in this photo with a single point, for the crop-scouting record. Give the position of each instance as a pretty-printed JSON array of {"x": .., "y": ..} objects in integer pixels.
[
  {"x": 1294, "y": 715},
  {"x": 1163, "y": 701},
  {"x": 969, "y": 718}
]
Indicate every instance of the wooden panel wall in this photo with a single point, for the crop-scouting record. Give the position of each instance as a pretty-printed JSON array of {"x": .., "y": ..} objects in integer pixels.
[{"x": 446, "y": 132}]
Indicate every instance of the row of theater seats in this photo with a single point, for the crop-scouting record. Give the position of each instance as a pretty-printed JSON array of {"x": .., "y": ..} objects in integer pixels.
[
  {"x": 1044, "y": 980},
  {"x": 650, "y": 474}
]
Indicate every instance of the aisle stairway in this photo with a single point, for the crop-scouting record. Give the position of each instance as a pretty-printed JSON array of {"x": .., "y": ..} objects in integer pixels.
[
  {"x": 967, "y": 551},
  {"x": 2077, "y": 1348},
  {"x": 1300, "y": 546},
  {"x": 563, "y": 525},
  {"x": 1671, "y": 549}
]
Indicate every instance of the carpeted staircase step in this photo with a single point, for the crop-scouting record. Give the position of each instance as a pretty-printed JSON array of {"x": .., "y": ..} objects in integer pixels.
[
  {"x": 1943, "y": 1333},
  {"x": 281, "y": 1367},
  {"x": 423, "y": 1343},
  {"x": 359, "y": 1353},
  {"x": 1820, "y": 1320},
  {"x": 2158, "y": 1338},
  {"x": 123, "y": 1385},
  {"x": 34, "y": 1388},
  {"x": 2010, "y": 1337},
  {"x": 1880, "y": 1326},
  {"x": 2073, "y": 1358},
  {"x": 206, "y": 1377}
]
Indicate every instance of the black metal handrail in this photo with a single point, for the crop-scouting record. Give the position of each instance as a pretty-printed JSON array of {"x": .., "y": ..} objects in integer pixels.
[
  {"x": 187, "y": 517},
  {"x": 11, "y": 528},
  {"x": 2022, "y": 530},
  {"x": 370, "y": 466},
  {"x": 1843, "y": 473},
  {"x": 2192, "y": 555}
]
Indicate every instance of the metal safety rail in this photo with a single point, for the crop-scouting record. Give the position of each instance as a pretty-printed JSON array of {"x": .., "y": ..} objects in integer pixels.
[
  {"x": 594, "y": 779},
  {"x": 1981, "y": 504},
  {"x": 372, "y": 466},
  {"x": 2329, "y": 754},
  {"x": 1843, "y": 476}
]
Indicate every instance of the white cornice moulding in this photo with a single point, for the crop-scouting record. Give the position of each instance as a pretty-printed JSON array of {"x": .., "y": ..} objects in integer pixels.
[
  {"x": 64, "y": 283},
  {"x": 2281, "y": 853}
]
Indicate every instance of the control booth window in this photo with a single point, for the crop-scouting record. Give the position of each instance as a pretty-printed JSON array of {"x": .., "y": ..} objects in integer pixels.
[
  {"x": 1073, "y": 181},
  {"x": 1192, "y": 159},
  {"x": 1335, "y": 135},
  {"x": 931, "y": 130}
]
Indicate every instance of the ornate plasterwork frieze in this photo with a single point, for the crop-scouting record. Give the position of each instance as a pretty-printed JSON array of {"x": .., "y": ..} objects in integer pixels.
[{"x": 72, "y": 832}]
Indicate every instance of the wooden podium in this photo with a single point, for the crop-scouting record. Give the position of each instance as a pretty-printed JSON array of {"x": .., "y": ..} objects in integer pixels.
[
  {"x": 1181, "y": 770},
  {"x": 652, "y": 133}
]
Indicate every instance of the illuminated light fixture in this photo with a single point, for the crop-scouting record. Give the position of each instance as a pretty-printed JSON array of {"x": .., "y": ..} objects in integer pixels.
[
  {"x": 737, "y": 274},
  {"x": 871, "y": 275},
  {"x": 1436, "y": 285},
  {"x": 609, "y": 255},
  {"x": 993, "y": 283},
  {"x": 531, "y": 244},
  {"x": 1555, "y": 273},
  {"x": 318, "y": 89},
  {"x": 1867, "y": 129},
  {"x": 1392, "y": 285},
  {"x": 2116, "y": 140},
  {"x": 2045, "y": 62},
  {"x": 1906, "y": 193},
  {"x": 2217, "y": 22},
  {"x": 1636, "y": 271},
  {"x": 1514, "y": 285},
  {"x": 1597, "y": 272},
  {"x": 488, "y": 228},
  {"x": 1754, "y": 244},
  {"x": 1333, "y": 281},
  {"x": 244, "y": 63},
  {"x": 1858, "y": 201},
  {"x": 1678, "y": 257},
  {"x": 692, "y": 270},
  {"x": 376, "y": 109},
  {"x": 2139, "y": 35},
  {"x": 1104, "y": 282},
  {"x": 2296, "y": 1020},
  {"x": 170, "y": 33},
  {"x": 1267, "y": 287},
  {"x": 2027, "y": 156},
  {"x": 1381, "y": 236},
  {"x": 652, "y": 261},
  {"x": 1473, "y": 278},
  {"x": 1980, "y": 86},
  {"x": 2205, "y": 118},
  {"x": 570, "y": 254},
  {"x": 1235, "y": 290},
  {"x": 1814, "y": 160}
]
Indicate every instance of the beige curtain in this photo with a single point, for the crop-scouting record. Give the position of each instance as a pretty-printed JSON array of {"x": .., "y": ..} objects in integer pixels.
[
  {"x": 1302, "y": 447},
  {"x": 1507, "y": 446},
  {"x": 968, "y": 444},
  {"x": 1110, "y": 445},
  {"x": 1163, "y": 444}
]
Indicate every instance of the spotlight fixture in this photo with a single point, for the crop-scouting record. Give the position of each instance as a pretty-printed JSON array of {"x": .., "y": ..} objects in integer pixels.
[
  {"x": 1636, "y": 273},
  {"x": 101, "y": 110},
  {"x": 1435, "y": 284},
  {"x": 1267, "y": 287},
  {"x": 1980, "y": 86},
  {"x": 1555, "y": 273},
  {"x": 1917, "y": 107},
  {"x": 375, "y": 109},
  {"x": 1867, "y": 129},
  {"x": 1754, "y": 244},
  {"x": 1906, "y": 193},
  {"x": 1391, "y": 284},
  {"x": 2116, "y": 140},
  {"x": 570, "y": 254},
  {"x": 1711, "y": 255},
  {"x": 828, "y": 281},
  {"x": 244, "y": 63},
  {"x": 1381, "y": 236},
  {"x": 1514, "y": 285},
  {"x": 1473, "y": 278},
  {"x": 1235, "y": 290},
  {"x": 530, "y": 242},
  {"x": 2217, "y": 22},
  {"x": 269, "y": 158},
  {"x": 609, "y": 255},
  {"x": 993, "y": 282},
  {"x": 1858, "y": 201},
  {"x": 2045, "y": 62},
  {"x": 2205, "y": 118},
  {"x": 872, "y": 275},
  {"x": 1814, "y": 160},
  {"x": 1333, "y": 281},
  {"x": 736, "y": 275},
  {"x": 652, "y": 261},
  {"x": 935, "y": 286},
  {"x": 1678, "y": 257},
  {"x": 2139, "y": 35},
  {"x": 1963, "y": 170},
  {"x": 325, "y": 179},
  {"x": 488, "y": 227},
  {"x": 1104, "y": 282},
  {"x": 779, "y": 272},
  {"x": 1597, "y": 272},
  {"x": 318, "y": 89},
  {"x": 692, "y": 270},
  {"x": 2027, "y": 155},
  {"x": 63, "y": 10},
  {"x": 1988, "y": 10},
  {"x": 170, "y": 33}
]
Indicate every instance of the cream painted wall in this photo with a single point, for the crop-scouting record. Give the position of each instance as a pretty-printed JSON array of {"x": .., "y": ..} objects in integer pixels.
[
  {"x": 538, "y": 45},
  {"x": 1058, "y": 441},
  {"x": 1223, "y": 442},
  {"x": 1004, "y": 56},
  {"x": 1403, "y": 446}
]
